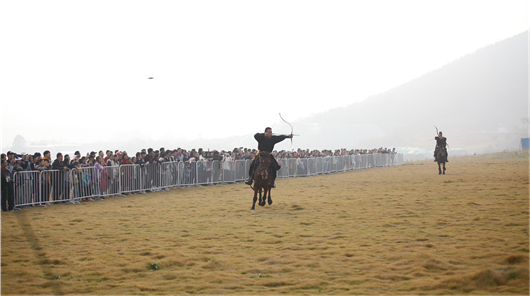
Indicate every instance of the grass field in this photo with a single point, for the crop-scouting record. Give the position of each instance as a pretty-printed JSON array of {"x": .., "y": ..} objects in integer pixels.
[{"x": 396, "y": 230}]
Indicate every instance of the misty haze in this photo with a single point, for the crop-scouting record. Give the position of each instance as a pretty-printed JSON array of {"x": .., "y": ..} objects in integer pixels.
[{"x": 479, "y": 101}]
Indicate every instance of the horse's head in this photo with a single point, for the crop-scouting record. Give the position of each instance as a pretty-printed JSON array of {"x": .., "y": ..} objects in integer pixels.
[{"x": 264, "y": 159}]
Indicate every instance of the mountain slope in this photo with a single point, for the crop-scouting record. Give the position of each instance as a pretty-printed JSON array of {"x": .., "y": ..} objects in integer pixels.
[{"x": 486, "y": 91}]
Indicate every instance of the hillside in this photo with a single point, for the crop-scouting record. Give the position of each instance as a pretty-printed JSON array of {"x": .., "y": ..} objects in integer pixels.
[{"x": 479, "y": 101}]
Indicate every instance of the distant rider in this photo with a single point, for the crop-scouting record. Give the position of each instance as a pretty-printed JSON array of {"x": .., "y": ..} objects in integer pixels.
[
  {"x": 266, "y": 142},
  {"x": 441, "y": 142}
]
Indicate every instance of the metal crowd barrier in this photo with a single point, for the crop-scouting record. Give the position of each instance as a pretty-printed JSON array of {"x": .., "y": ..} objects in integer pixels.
[
  {"x": 130, "y": 179},
  {"x": 52, "y": 186},
  {"x": 27, "y": 188}
]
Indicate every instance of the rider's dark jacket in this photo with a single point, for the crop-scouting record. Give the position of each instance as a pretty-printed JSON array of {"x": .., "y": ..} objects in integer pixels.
[
  {"x": 265, "y": 144},
  {"x": 441, "y": 142}
]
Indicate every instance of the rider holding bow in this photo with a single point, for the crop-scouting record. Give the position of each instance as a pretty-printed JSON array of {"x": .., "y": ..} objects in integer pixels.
[
  {"x": 266, "y": 142},
  {"x": 441, "y": 142}
]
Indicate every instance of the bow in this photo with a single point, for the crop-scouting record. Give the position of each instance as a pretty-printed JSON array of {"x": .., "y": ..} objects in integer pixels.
[
  {"x": 437, "y": 133},
  {"x": 291, "y": 130}
]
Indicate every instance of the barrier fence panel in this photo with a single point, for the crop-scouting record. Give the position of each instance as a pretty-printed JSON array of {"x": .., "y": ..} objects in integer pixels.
[
  {"x": 239, "y": 170},
  {"x": 86, "y": 183},
  {"x": 301, "y": 167},
  {"x": 216, "y": 172},
  {"x": 319, "y": 166},
  {"x": 204, "y": 172},
  {"x": 55, "y": 186},
  {"x": 80, "y": 182},
  {"x": 331, "y": 164},
  {"x": 152, "y": 177},
  {"x": 358, "y": 162},
  {"x": 383, "y": 160},
  {"x": 187, "y": 172},
  {"x": 284, "y": 170},
  {"x": 26, "y": 188},
  {"x": 193, "y": 173},
  {"x": 169, "y": 175},
  {"x": 377, "y": 160},
  {"x": 312, "y": 166},
  {"x": 292, "y": 167},
  {"x": 248, "y": 162},
  {"x": 369, "y": 161},
  {"x": 350, "y": 162},
  {"x": 114, "y": 179},
  {"x": 228, "y": 171},
  {"x": 131, "y": 182},
  {"x": 340, "y": 164},
  {"x": 364, "y": 161}
]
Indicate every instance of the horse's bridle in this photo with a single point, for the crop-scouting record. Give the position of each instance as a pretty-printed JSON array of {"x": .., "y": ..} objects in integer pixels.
[{"x": 264, "y": 171}]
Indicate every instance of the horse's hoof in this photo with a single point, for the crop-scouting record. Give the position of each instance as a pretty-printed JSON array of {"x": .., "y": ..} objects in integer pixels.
[
  {"x": 252, "y": 209},
  {"x": 270, "y": 202}
]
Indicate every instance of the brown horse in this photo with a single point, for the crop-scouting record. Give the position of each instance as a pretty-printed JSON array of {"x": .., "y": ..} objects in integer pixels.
[
  {"x": 262, "y": 179},
  {"x": 441, "y": 158}
]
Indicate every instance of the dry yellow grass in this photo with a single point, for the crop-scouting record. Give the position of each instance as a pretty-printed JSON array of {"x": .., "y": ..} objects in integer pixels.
[{"x": 397, "y": 230}]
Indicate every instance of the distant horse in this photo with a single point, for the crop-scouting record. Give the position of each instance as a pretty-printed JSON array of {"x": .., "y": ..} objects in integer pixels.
[
  {"x": 262, "y": 179},
  {"x": 441, "y": 158}
]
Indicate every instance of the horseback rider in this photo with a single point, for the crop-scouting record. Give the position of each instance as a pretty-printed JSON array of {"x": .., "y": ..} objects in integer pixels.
[
  {"x": 266, "y": 142},
  {"x": 441, "y": 142}
]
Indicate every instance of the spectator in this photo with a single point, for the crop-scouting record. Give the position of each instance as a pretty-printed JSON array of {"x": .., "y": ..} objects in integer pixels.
[
  {"x": 100, "y": 178},
  {"x": 125, "y": 172},
  {"x": 82, "y": 162},
  {"x": 58, "y": 177},
  {"x": 150, "y": 161},
  {"x": 75, "y": 180},
  {"x": 140, "y": 159},
  {"x": 8, "y": 199},
  {"x": 108, "y": 153},
  {"x": 111, "y": 160},
  {"x": 25, "y": 164}
]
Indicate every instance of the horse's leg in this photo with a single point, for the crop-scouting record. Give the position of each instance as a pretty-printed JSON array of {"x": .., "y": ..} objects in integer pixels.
[
  {"x": 444, "y": 168},
  {"x": 270, "y": 199},
  {"x": 439, "y": 169},
  {"x": 262, "y": 199},
  {"x": 255, "y": 198}
]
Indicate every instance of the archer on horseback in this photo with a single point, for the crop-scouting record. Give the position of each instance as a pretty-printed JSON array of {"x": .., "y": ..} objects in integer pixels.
[
  {"x": 266, "y": 142},
  {"x": 441, "y": 142}
]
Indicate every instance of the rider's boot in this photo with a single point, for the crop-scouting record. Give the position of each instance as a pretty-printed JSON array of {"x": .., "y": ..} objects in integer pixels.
[
  {"x": 250, "y": 178},
  {"x": 273, "y": 179},
  {"x": 248, "y": 181}
]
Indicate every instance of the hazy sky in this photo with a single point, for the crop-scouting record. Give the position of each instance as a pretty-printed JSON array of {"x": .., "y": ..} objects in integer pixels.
[{"x": 77, "y": 71}]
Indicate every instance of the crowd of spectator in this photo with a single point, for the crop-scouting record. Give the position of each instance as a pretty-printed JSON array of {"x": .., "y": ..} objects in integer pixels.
[{"x": 13, "y": 162}]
